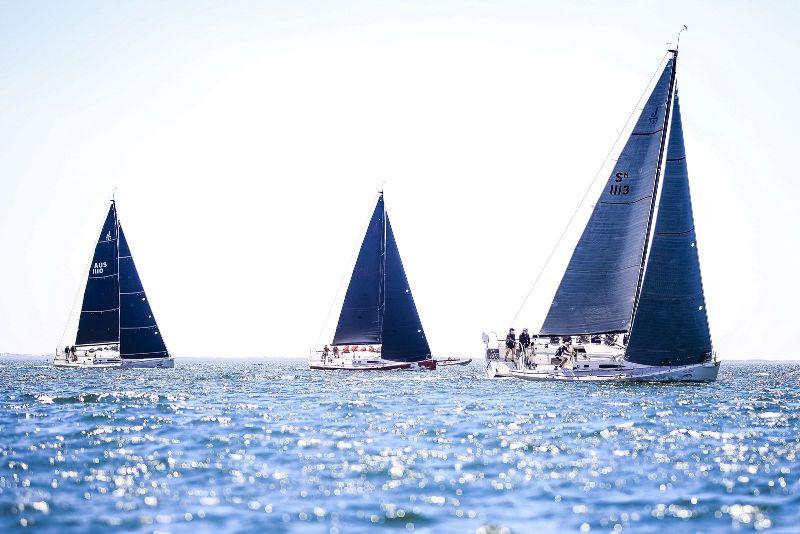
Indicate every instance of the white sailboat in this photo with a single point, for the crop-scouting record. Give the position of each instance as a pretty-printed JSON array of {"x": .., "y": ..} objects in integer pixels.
[
  {"x": 379, "y": 328},
  {"x": 116, "y": 327},
  {"x": 630, "y": 305}
]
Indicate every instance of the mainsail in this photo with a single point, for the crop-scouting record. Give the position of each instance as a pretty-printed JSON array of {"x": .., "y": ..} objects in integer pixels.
[
  {"x": 115, "y": 307},
  {"x": 99, "y": 320},
  {"x": 671, "y": 324},
  {"x": 362, "y": 311},
  {"x": 598, "y": 290},
  {"x": 378, "y": 307}
]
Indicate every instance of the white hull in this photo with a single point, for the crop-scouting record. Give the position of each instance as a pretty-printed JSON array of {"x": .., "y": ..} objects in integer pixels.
[
  {"x": 377, "y": 365},
  {"x": 592, "y": 362},
  {"x": 362, "y": 359},
  {"x": 88, "y": 364},
  {"x": 111, "y": 362},
  {"x": 627, "y": 372}
]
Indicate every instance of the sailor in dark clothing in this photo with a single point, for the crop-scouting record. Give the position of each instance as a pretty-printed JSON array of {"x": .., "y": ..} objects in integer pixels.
[
  {"x": 525, "y": 343},
  {"x": 511, "y": 344},
  {"x": 524, "y": 339}
]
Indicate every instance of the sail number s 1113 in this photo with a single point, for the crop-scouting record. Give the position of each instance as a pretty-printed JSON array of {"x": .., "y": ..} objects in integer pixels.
[{"x": 617, "y": 188}]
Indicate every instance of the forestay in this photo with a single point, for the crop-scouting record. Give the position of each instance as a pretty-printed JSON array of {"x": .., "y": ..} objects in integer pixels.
[
  {"x": 598, "y": 289},
  {"x": 671, "y": 324}
]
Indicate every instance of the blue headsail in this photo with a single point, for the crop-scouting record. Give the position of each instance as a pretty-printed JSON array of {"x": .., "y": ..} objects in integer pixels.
[
  {"x": 139, "y": 333},
  {"x": 99, "y": 320},
  {"x": 671, "y": 325},
  {"x": 378, "y": 307},
  {"x": 597, "y": 292},
  {"x": 403, "y": 336}
]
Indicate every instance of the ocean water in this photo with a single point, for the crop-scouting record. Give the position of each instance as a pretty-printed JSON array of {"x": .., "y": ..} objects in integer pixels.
[{"x": 263, "y": 445}]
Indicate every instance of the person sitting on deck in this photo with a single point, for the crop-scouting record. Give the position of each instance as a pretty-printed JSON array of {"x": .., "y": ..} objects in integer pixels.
[
  {"x": 335, "y": 351},
  {"x": 565, "y": 352},
  {"x": 511, "y": 344}
]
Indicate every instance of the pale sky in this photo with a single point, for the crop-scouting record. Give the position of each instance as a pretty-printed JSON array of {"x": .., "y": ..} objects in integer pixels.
[{"x": 246, "y": 141}]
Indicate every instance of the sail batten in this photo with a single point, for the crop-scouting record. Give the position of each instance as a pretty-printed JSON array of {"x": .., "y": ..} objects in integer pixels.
[
  {"x": 671, "y": 322},
  {"x": 597, "y": 291}
]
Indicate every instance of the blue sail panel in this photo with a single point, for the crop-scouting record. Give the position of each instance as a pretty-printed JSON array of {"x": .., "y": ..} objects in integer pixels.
[
  {"x": 139, "y": 333},
  {"x": 362, "y": 310},
  {"x": 403, "y": 337},
  {"x": 99, "y": 319},
  {"x": 671, "y": 322},
  {"x": 598, "y": 289}
]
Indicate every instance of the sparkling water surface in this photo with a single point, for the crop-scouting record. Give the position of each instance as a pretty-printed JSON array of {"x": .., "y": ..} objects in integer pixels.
[{"x": 267, "y": 445}]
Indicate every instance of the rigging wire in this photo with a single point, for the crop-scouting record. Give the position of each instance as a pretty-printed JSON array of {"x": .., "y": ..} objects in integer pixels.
[{"x": 588, "y": 189}]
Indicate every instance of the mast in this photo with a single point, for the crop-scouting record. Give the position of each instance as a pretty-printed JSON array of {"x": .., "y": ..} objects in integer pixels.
[
  {"x": 667, "y": 116},
  {"x": 382, "y": 288},
  {"x": 119, "y": 289}
]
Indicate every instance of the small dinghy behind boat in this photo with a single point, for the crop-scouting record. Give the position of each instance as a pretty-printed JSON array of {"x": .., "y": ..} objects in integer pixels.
[
  {"x": 453, "y": 361},
  {"x": 630, "y": 305},
  {"x": 116, "y": 327},
  {"x": 379, "y": 328}
]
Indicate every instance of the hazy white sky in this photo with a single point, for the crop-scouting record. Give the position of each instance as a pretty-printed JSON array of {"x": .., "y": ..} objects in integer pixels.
[{"x": 246, "y": 140}]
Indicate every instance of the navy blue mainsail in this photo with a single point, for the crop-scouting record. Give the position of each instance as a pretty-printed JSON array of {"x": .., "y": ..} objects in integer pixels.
[
  {"x": 598, "y": 290},
  {"x": 378, "y": 307},
  {"x": 99, "y": 320},
  {"x": 403, "y": 336},
  {"x": 139, "y": 333},
  {"x": 362, "y": 311},
  {"x": 671, "y": 325}
]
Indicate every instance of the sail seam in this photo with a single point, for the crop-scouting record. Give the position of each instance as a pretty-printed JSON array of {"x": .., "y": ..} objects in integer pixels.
[
  {"x": 99, "y": 311},
  {"x": 676, "y": 159},
  {"x": 137, "y": 327},
  {"x": 625, "y": 203},
  {"x": 648, "y": 133},
  {"x": 677, "y": 233},
  {"x": 104, "y": 276},
  {"x": 131, "y": 292},
  {"x": 139, "y": 353}
]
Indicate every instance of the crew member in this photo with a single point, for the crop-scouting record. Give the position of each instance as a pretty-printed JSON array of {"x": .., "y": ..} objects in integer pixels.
[
  {"x": 511, "y": 344},
  {"x": 524, "y": 339},
  {"x": 567, "y": 351}
]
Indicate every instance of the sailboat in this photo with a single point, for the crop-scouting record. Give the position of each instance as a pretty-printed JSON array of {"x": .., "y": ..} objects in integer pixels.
[
  {"x": 379, "y": 328},
  {"x": 116, "y": 327},
  {"x": 630, "y": 305}
]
